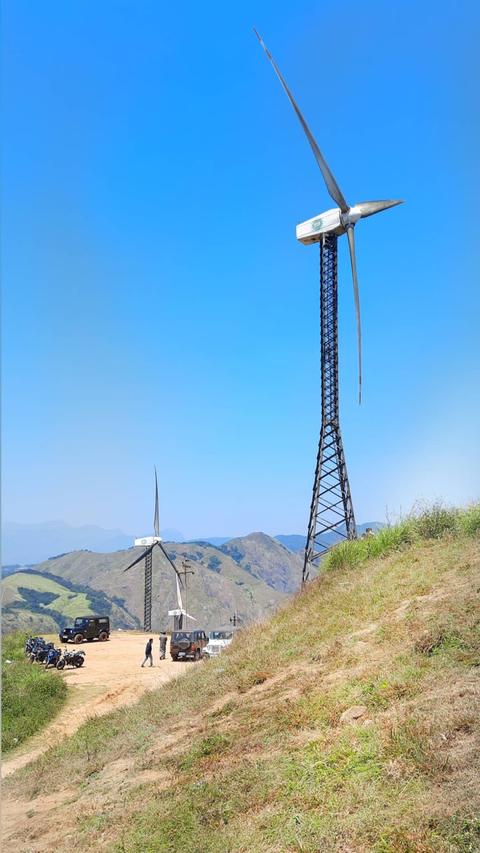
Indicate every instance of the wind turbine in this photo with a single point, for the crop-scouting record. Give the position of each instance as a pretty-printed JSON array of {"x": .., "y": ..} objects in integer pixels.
[
  {"x": 151, "y": 542},
  {"x": 331, "y": 509},
  {"x": 179, "y": 612}
]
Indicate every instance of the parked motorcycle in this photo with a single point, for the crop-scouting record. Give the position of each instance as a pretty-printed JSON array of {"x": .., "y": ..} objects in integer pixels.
[
  {"x": 40, "y": 651},
  {"x": 31, "y": 643},
  {"x": 53, "y": 657},
  {"x": 71, "y": 658}
]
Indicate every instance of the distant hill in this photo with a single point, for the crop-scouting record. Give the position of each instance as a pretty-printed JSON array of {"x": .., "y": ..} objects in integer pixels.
[
  {"x": 249, "y": 575},
  {"x": 220, "y": 585},
  {"x": 293, "y": 541},
  {"x": 296, "y": 542},
  {"x": 267, "y": 559},
  {"x": 27, "y": 544},
  {"x": 42, "y": 602}
]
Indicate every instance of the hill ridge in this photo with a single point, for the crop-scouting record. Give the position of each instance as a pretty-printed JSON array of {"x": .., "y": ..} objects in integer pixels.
[{"x": 219, "y": 586}]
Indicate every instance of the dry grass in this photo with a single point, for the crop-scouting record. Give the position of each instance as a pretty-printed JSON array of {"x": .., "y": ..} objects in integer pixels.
[{"x": 248, "y": 752}]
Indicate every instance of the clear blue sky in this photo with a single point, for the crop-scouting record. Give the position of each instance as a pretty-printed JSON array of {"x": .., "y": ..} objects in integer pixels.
[{"x": 157, "y": 307}]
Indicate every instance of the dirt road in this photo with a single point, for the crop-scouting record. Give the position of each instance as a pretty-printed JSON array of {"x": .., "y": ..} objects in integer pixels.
[{"x": 111, "y": 677}]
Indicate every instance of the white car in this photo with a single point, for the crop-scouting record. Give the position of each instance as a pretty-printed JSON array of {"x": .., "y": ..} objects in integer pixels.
[{"x": 217, "y": 641}]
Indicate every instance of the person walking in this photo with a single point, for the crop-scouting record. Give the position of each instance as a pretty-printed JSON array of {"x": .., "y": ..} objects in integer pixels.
[
  {"x": 148, "y": 652},
  {"x": 163, "y": 645}
]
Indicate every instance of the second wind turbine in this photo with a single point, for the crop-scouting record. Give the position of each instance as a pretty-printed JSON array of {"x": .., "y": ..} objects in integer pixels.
[
  {"x": 331, "y": 509},
  {"x": 149, "y": 543}
]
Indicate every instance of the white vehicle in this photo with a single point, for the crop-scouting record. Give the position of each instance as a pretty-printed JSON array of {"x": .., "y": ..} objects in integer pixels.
[{"x": 217, "y": 641}]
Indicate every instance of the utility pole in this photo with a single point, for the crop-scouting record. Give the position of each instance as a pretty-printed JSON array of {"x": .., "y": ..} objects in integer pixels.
[{"x": 235, "y": 619}]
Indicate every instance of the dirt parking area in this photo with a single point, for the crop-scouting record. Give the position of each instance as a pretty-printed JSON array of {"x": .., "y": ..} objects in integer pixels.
[{"x": 111, "y": 677}]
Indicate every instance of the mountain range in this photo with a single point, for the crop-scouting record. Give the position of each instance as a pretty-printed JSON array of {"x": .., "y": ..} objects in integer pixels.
[
  {"x": 250, "y": 576},
  {"x": 27, "y": 544}
]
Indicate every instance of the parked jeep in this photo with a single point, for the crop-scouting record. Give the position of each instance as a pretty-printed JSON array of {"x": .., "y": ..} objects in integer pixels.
[
  {"x": 86, "y": 628},
  {"x": 187, "y": 645},
  {"x": 217, "y": 641}
]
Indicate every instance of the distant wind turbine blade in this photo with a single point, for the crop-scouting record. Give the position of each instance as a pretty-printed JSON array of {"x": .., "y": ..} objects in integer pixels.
[
  {"x": 356, "y": 295},
  {"x": 189, "y": 616},
  {"x": 140, "y": 558},
  {"x": 179, "y": 595},
  {"x": 332, "y": 186},
  {"x": 156, "y": 519}
]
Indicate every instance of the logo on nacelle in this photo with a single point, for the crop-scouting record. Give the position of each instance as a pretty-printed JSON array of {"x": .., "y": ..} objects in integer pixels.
[{"x": 317, "y": 224}]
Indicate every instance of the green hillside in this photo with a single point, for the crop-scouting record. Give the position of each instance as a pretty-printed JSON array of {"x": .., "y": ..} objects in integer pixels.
[
  {"x": 34, "y": 601},
  {"x": 219, "y": 586},
  {"x": 31, "y": 696},
  {"x": 347, "y": 722}
]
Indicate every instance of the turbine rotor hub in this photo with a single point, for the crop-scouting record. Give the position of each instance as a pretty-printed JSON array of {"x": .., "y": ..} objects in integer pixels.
[{"x": 350, "y": 217}]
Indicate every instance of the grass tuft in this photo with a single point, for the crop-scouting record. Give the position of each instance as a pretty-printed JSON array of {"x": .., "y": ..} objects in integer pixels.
[{"x": 31, "y": 695}]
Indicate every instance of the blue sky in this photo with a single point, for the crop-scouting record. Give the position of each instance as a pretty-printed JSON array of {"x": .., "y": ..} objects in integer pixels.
[{"x": 157, "y": 307}]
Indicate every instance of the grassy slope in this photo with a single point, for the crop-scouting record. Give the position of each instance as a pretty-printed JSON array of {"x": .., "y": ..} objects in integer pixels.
[
  {"x": 69, "y": 603},
  {"x": 31, "y": 696},
  {"x": 26, "y": 621},
  {"x": 65, "y": 604},
  {"x": 249, "y": 752}
]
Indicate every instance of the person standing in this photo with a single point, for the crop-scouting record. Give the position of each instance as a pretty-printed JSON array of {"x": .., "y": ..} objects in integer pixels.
[
  {"x": 148, "y": 652},
  {"x": 163, "y": 645}
]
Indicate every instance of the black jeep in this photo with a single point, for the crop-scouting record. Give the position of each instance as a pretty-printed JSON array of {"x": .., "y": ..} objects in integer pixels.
[{"x": 86, "y": 628}]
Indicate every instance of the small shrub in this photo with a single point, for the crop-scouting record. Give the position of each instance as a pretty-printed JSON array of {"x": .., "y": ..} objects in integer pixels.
[
  {"x": 469, "y": 520},
  {"x": 433, "y": 642},
  {"x": 435, "y": 521},
  {"x": 251, "y": 679},
  {"x": 208, "y": 746},
  {"x": 462, "y": 831},
  {"x": 224, "y": 711}
]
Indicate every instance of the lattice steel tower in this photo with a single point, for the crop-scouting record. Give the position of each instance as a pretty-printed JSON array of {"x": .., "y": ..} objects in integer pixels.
[
  {"x": 147, "y": 601},
  {"x": 331, "y": 510}
]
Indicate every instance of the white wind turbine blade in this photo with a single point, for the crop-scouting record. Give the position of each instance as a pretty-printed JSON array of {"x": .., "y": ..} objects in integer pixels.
[
  {"x": 179, "y": 595},
  {"x": 332, "y": 187},
  {"x": 356, "y": 296},
  {"x": 156, "y": 517}
]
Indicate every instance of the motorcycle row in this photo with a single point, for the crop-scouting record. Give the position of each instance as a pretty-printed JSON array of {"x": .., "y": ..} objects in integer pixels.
[{"x": 38, "y": 650}]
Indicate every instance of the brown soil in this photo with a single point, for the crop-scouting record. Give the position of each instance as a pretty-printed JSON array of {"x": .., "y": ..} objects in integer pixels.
[{"x": 111, "y": 676}]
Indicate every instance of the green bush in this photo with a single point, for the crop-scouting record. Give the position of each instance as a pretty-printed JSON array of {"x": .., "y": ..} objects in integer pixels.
[
  {"x": 31, "y": 695},
  {"x": 468, "y": 520},
  {"x": 429, "y": 522},
  {"x": 435, "y": 521}
]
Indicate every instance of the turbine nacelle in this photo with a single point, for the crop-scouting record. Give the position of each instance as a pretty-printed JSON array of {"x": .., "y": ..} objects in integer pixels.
[
  {"x": 146, "y": 541},
  {"x": 335, "y": 222}
]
